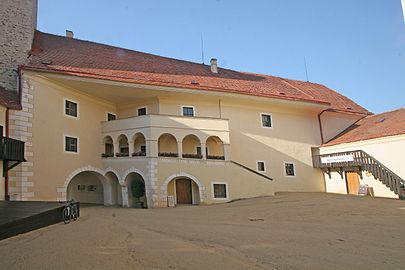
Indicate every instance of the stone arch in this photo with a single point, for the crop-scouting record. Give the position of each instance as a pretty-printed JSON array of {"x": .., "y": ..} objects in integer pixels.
[
  {"x": 131, "y": 170},
  {"x": 191, "y": 145},
  {"x": 108, "y": 146},
  {"x": 148, "y": 188},
  {"x": 167, "y": 145},
  {"x": 123, "y": 145},
  {"x": 215, "y": 148},
  {"x": 101, "y": 175},
  {"x": 138, "y": 141},
  {"x": 201, "y": 188}
]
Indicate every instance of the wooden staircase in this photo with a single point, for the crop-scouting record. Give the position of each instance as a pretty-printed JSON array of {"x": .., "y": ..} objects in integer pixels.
[{"x": 360, "y": 161}]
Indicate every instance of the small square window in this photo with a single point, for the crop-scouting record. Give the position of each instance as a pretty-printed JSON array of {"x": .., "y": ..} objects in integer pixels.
[
  {"x": 70, "y": 144},
  {"x": 70, "y": 108},
  {"x": 141, "y": 111},
  {"x": 266, "y": 120},
  {"x": 143, "y": 148},
  {"x": 111, "y": 117},
  {"x": 220, "y": 191},
  {"x": 188, "y": 111},
  {"x": 289, "y": 169},
  {"x": 261, "y": 166}
]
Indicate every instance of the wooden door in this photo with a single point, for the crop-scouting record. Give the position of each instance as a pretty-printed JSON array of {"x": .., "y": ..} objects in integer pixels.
[
  {"x": 183, "y": 191},
  {"x": 352, "y": 183}
]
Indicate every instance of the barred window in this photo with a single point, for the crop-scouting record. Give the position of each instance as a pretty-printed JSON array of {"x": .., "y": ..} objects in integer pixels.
[
  {"x": 220, "y": 191},
  {"x": 289, "y": 169},
  {"x": 188, "y": 111},
  {"x": 70, "y": 108},
  {"x": 260, "y": 166},
  {"x": 70, "y": 144},
  {"x": 142, "y": 111},
  {"x": 266, "y": 120}
]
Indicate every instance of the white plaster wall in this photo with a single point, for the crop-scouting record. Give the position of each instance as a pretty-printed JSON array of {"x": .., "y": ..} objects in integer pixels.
[{"x": 389, "y": 151}]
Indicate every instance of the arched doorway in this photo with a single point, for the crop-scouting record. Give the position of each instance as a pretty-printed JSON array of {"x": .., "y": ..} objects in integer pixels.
[
  {"x": 86, "y": 187},
  {"x": 136, "y": 190},
  {"x": 184, "y": 190}
]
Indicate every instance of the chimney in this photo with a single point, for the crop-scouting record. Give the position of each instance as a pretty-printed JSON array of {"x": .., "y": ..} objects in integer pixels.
[
  {"x": 214, "y": 65},
  {"x": 69, "y": 34}
]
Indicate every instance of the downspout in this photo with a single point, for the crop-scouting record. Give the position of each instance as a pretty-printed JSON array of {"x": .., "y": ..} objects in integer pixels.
[
  {"x": 320, "y": 124},
  {"x": 5, "y": 172}
]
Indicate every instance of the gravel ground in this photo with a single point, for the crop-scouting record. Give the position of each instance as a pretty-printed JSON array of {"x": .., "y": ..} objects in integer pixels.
[{"x": 288, "y": 231}]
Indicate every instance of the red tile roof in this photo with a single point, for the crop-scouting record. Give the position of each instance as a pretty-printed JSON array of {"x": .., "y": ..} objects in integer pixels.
[
  {"x": 9, "y": 99},
  {"x": 94, "y": 60},
  {"x": 372, "y": 127}
]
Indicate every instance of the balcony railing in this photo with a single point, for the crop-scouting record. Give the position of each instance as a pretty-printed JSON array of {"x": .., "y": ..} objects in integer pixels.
[
  {"x": 11, "y": 149},
  {"x": 196, "y": 156},
  {"x": 216, "y": 157},
  {"x": 163, "y": 154}
]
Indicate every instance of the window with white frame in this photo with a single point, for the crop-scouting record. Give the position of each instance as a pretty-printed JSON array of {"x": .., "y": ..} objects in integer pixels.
[
  {"x": 220, "y": 190},
  {"x": 267, "y": 121},
  {"x": 289, "y": 168},
  {"x": 261, "y": 166},
  {"x": 111, "y": 117},
  {"x": 71, "y": 144},
  {"x": 187, "y": 111},
  {"x": 142, "y": 111},
  {"x": 71, "y": 108}
]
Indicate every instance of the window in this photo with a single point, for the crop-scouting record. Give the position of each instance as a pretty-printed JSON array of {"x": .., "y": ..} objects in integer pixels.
[
  {"x": 289, "y": 169},
  {"x": 187, "y": 110},
  {"x": 199, "y": 151},
  {"x": 71, "y": 108},
  {"x": 81, "y": 188},
  {"x": 142, "y": 111},
  {"x": 266, "y": 120},
  {"x": 111, "y": 117},
  {"x": 261, "y": 166},
  {"x": 71, "y": 144},
  {"x": 220, "y": 190},
  {"x": 143, "y": 148}
]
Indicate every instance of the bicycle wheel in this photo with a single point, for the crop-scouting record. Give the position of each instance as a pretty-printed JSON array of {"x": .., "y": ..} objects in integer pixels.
[
  {"x": 74, "y": 212},
  {"x": 66, "y": 215}
]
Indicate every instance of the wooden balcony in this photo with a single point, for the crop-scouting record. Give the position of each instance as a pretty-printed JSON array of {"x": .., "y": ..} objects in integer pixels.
[
  {"x": 11, "y": 149},
  {"x": 359, "y": 160}
]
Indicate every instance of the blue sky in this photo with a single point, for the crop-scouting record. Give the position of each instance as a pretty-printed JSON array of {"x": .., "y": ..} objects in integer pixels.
[{"x": 355, "y": 47}]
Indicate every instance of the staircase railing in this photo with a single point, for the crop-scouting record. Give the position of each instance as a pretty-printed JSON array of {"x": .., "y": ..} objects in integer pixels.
[
  {"x": 251, "y": 170},
  {"x": 363, "y": 161}
]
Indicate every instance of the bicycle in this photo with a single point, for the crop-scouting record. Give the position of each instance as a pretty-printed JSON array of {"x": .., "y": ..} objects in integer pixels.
[{"x": 70, "y": 211}]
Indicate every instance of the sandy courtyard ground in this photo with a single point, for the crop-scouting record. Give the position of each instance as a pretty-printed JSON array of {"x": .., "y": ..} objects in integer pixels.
[{"x": 288, "y": 231}]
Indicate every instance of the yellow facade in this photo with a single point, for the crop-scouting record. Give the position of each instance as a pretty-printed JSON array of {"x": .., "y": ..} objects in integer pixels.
[{"x": 229, "y": 126}]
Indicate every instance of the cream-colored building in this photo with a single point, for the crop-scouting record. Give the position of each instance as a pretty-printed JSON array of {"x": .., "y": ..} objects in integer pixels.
[
  {"x": 98, "y": 121},
  {"x": 112, "y": 126}
]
